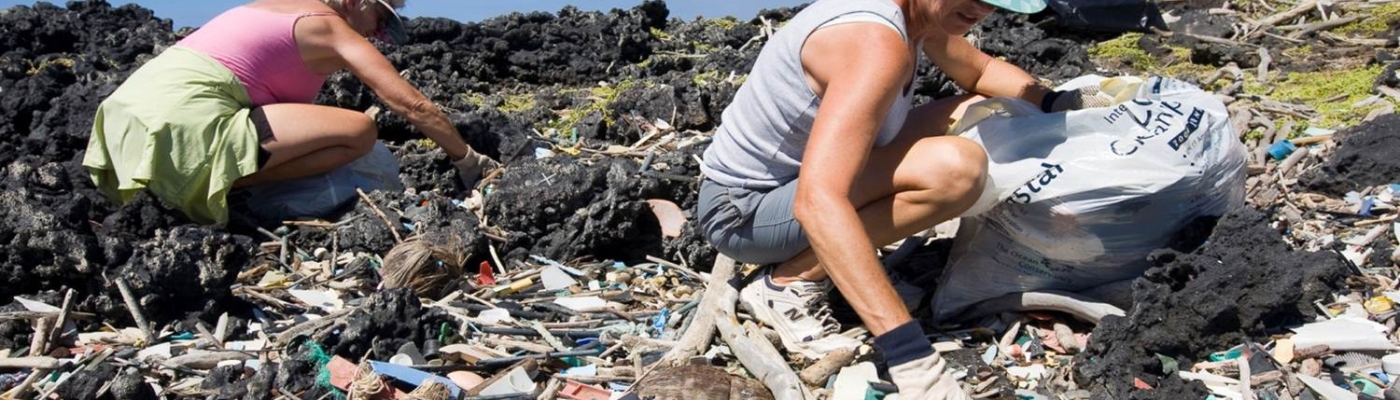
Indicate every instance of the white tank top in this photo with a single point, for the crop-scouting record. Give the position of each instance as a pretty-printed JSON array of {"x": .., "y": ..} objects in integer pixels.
[{"x": 759, "y": 144}]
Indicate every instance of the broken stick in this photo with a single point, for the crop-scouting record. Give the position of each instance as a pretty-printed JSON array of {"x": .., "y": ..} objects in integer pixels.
[
  {"x": 135, "y": 309},
  {"x": 56, "y": 331},
  {"x": 760, "y": 357},
  {"x": 818, "y": 373},
  {"x": 718, "y": 294},
  {"x": 380, "y": 213},
  {"x": 29, "y": 362}
]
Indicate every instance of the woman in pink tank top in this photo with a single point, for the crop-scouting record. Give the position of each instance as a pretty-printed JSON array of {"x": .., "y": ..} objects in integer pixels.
[{"x": 280, "y": 52}]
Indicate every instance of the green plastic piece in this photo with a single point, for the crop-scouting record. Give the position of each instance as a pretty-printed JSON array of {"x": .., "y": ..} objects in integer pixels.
[
  {"x": 1169, "y": 365},
  {"x": 872, "y": 394},
  {"x": 1367, "y": 387},
  {"x": 1230, "y": 354}
]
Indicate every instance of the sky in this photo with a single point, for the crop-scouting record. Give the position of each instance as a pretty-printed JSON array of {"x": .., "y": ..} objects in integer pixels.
[{"x": 196, "y": 12}]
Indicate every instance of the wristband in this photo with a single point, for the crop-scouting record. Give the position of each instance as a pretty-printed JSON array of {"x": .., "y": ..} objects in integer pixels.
[
  {"x": 1048, "y": 102},
  {"x": 904, "y": 344}
]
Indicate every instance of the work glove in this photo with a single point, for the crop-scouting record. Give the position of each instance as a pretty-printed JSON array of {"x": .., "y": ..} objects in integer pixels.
[
  {"x": 918, "y": 370},
  {"x": 1077, "y": 99},
  {"x": 470, "y": 168}
]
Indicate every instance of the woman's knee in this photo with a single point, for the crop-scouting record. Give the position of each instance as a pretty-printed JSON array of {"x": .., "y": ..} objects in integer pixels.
[
  {"x": 951, "y": 165},
  {"x": 365, "y": 134}
]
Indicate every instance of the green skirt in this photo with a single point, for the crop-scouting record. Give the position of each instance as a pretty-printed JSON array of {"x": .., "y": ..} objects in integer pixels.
[{"x": 179, "y": 127}]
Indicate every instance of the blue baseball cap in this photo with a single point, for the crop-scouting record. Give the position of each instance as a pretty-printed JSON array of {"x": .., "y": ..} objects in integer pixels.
[{"x": 1019, "y": 6}]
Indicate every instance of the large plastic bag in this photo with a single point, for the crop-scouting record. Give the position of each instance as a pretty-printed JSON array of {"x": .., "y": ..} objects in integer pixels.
[
  {"x": 1077, "y": 200},
  {"x": 324, "y": 195}
]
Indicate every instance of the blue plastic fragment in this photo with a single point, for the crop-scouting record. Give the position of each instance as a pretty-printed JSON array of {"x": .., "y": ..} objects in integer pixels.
[
  {"x": 1395, "y": 188},
  {"x": 182, "y": 336},
  {"x": 1382, "y": 377},
  {"x": 1281, "y": 149},
  {"x": 658, "y": 323},
  {"x": 1366, "y": 206},
  {"x": 584, "y": 342},
  {"x": 411, "y": 376}
]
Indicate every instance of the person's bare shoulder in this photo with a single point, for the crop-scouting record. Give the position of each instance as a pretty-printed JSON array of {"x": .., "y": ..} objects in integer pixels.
[{"x": 292, "y": 6}]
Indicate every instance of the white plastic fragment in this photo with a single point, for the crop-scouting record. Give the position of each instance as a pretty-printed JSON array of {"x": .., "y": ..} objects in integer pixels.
[
  {"x": 495, "y": 316},
  {"x": 160, "y": 350},
  {"x": 1391, "y": 364},
  {"x": 586, "y": 370},
  {"x": 1343, "y": 334},
  {"x": 1028, "y": 373},
  {"x": 246, "y": 345},
  {"x": 582, "y": 304},
  {"x": 401, "y": 359},
  {"x": 853, "y": 381},
  {"x": 323, "y": 299},
  {"x": 515, "y": 381},
  {"x": 556, "y": 279},
  {"x": 1219, "y": 386},
  {"x": 1326, "y": 390},
  {"x": 36, "y": 306}
]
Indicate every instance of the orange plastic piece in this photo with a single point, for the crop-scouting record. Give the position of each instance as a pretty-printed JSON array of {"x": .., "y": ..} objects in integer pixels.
[{"x": 578, "y": 391}]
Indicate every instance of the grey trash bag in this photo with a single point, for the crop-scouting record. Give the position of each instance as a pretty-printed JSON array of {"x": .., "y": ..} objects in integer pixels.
[
  {"x": 1077, "y": 200},
  {"x": 325, "y": 195}
]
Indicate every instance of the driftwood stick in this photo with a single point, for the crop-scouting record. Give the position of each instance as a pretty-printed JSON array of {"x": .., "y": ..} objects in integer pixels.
[
  {"x": 683, "y": 269},
  {"x": 719, "y": 294},
  {"x": 817, "y": 373},
  {"x": 1275, "y": 19},
  {"x": 380, "y": 213},
  {"x": 760, "y": 357},
  {"x": 29, "y": 362},
  {"x": 1305, "y": 29},
  {"x": 1264, "y": 60},
  {"x": 135, "y": 309},
  {"x": 203, "y": 360},
  {"x": 40, "y": 341},
  {"x": 56, "y": 332},
  {"x": 308, "y": 327}
]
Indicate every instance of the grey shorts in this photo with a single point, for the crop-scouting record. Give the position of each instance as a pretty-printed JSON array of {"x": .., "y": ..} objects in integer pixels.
[{"x": 751, "y": 226}]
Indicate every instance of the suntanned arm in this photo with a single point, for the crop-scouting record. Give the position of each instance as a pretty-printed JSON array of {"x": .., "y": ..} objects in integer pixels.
[
  {"x": 367, "y": 63},
  {"x": 859, "y": 70},
  {"x": 981, "y": 73}
]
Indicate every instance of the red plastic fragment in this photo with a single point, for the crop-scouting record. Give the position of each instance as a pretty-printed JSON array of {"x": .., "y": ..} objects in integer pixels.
[
  {"x": 486, "y": 277},
  {"x": 1140, "y": 384}
]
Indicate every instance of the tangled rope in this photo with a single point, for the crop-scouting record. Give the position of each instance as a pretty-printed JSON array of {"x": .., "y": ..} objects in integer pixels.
[
  {"x": 423, "y": 267},
  {"x": 366, "y": 383}
]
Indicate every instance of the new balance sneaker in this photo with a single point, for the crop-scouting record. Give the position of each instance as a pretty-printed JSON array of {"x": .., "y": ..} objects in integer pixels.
[{"x": 798, "y": 312}]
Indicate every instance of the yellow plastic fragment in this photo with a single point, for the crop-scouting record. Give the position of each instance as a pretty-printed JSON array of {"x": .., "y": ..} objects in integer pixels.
[
  {"x": 515, "y": 286},
  {"x": 1379, "y": 305}
]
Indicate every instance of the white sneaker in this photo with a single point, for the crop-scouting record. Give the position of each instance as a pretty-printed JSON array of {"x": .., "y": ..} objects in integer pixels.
[{"x": 799, "y": 312}]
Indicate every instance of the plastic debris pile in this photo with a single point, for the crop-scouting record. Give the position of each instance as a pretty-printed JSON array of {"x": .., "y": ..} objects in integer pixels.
[{"x": 576, "y": 273}]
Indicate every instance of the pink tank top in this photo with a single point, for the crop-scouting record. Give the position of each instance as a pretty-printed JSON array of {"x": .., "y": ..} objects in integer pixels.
[{"x": 260, "y": 48}]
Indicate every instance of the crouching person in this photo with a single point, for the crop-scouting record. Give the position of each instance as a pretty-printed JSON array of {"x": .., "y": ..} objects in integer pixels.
[
  {"x": 822, "y": 156},
  {"x": 231, "y": 106}
]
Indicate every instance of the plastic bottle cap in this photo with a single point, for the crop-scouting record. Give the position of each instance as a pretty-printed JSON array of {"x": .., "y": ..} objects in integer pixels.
[{"x": 1391, "y": 364}]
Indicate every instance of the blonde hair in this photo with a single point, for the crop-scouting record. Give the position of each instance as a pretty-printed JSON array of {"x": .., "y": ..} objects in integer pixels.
[{"x": 337, "y": 4}]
